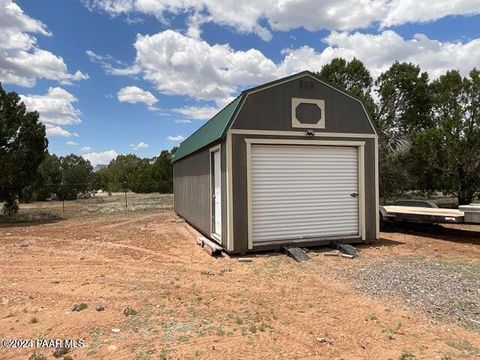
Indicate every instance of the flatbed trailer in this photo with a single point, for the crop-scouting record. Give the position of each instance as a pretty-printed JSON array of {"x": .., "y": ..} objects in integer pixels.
[{"x": 425, "y": 215}]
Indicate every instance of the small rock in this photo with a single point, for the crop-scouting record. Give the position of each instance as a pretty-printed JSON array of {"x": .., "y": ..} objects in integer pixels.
[
  {"x": 24, "y": 243},
  {"x": 100, "y": 308},
  {"x": 115, "y": 330},
  {"x": 37, "y": 356},
  {"x": 112, "y": 348},
  {"x": 59, "y": 352},
  {"x": 245, "y": 259},
  {"x": 129, "y": 311},
  {"x": 323, "y": 340},
  {"x": 8, "y": 234},
  {"x": 55, "y": 282}
]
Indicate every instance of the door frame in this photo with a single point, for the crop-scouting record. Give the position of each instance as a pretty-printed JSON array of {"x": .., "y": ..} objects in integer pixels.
[
  {"x": 360, "y": 145},
  {"x": 212, "y": 151}
]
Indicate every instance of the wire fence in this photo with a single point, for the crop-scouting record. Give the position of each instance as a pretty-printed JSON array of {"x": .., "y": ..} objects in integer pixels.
[
  {"x": 79, "y": 191},
  {"x": 64, "y": 200}
]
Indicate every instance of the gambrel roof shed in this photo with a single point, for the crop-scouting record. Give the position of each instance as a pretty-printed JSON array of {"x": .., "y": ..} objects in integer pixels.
[{"x": 290, "y": 161}]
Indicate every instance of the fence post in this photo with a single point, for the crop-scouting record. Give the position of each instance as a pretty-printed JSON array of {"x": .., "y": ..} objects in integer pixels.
[
  {"x": 63, "y": 198},
  {"x": 125, "y": 189}
]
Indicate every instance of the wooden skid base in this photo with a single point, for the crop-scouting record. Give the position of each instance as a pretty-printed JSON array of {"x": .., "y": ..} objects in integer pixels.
[{"x": 209, "y": 246}]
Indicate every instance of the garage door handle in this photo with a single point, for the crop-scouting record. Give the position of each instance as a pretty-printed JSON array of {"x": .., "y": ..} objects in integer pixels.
[{"x": 354, "y": 195}]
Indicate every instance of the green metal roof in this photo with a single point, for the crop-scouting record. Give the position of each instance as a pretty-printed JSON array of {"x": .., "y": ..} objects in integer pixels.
[
  {"x": 211, "y": 131},
  {"x": 215, "y": 128}
]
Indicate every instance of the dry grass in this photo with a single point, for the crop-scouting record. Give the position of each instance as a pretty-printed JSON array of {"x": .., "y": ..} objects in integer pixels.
[{"x": 50, "y": 211}]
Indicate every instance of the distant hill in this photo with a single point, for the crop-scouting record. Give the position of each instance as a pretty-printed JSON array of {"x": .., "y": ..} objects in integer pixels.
[{"x": 99, "y": 167}]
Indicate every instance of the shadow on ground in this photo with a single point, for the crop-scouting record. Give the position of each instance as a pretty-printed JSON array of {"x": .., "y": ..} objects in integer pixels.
[
  {"x": 463, "y": 235},
  {"x": 26, "y": 219}
]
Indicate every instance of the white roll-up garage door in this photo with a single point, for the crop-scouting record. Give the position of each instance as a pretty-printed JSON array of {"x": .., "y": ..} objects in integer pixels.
[{"x": 303, "y": 192}]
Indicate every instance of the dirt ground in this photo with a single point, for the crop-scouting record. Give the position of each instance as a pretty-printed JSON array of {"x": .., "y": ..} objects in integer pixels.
[{"x": 192, "y": 306}]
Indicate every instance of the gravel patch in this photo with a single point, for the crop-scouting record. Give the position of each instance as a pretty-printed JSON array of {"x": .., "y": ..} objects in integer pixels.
[{"x": 445, "y": 289}]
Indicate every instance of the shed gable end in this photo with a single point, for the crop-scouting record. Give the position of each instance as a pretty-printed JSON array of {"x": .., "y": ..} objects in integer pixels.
[{"x": 302, "y": 103}]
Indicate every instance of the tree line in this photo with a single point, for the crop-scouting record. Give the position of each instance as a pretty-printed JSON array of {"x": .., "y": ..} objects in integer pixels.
[
  {"x": 71, "y": 176},
  {"x": 429, "y": 130},
  {"x": 28, "y": 172},
  {"x": 429, "y": 140}
]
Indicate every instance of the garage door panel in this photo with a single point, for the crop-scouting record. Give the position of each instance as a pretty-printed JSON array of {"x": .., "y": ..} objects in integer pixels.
[
  {"x": 307, "y": 202},
  {"x": 301, "y": 192},
  {"x": 325, "y": 213}
]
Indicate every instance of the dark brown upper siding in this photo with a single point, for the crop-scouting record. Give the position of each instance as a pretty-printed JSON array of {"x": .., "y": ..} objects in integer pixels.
[
  {"x": 270, "y": 109},
  {"x": 191, "y": 186}
]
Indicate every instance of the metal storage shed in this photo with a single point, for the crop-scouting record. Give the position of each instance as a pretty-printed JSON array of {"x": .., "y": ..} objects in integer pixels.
[{"x": 294, "y": 161}]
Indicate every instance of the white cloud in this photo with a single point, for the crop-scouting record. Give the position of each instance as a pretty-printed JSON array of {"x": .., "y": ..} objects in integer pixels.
[
  {"x": 21, "y": 61},
  {"x": 329, "y": 14},
  {"x": 71, "y": 143},
  {"x": 379, "y": 51},
  {"x": 282, "y": 15},
  {"x": 404, "y": 11},
  {"x": 197, "y": 112},
  {"x": 140, "y": 145},
  {"x": 180, "y": 65},
  {"x": 102, "y": 158},
  {"x": 134, "y": 95},
  {"x": 105, "y": 61},
  {"x": 86, "y": 149},
  {"x": 52, "y": 130},
  {"x": 56, "y": 109},
  {"x": 183, "y": 121},
  {"x": 176, "y": 138}
]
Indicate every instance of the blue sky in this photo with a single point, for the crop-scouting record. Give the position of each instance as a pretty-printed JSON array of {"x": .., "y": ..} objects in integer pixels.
[{"x": 118, "y": 76}]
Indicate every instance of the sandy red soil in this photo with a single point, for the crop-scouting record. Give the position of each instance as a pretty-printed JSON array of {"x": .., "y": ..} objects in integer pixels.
[{"x": 193, "y": 306}]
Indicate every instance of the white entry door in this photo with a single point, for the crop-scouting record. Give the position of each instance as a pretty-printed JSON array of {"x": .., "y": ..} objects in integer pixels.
[
  {"x": 216, "y": 193},
  {"x": 303, "y": 192}
]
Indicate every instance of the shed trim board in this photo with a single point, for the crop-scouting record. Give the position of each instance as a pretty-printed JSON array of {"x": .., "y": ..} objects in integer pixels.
[
  {"x": 360, "y": 145},
  {"x": 213, "y": 234},
  {"x": 230, "y": 236},
  {"x": 301, "y": 133},
  {"x": 377, "y": 192},
  {"x": 296, "y": 122}
]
